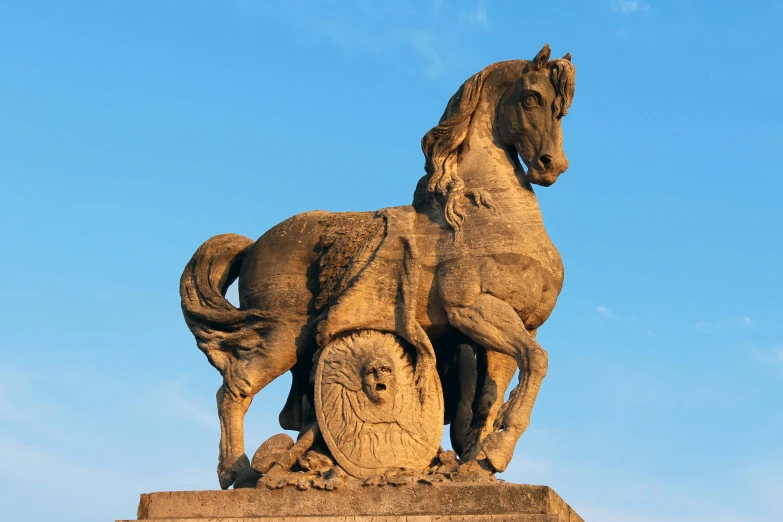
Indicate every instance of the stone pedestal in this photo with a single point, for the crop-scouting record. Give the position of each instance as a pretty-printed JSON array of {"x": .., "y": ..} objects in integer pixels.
[{"x": 451, "y": 502}]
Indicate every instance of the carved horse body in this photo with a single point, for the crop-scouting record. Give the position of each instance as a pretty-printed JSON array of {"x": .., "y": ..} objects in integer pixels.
[{"x": 487, "y": 273}]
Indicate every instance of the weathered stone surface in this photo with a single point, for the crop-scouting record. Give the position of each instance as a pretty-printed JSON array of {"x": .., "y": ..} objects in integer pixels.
[
  {"x": 482, "y": 502},
  {"x": 458, "y": 282},
  {"x": 374, "y": 411},
  {"x": 315, "y": 470},
  {"x": 315, "y": 462},
  {"x": 422, "y": 518},
  {"x": 274, "y": 450}
]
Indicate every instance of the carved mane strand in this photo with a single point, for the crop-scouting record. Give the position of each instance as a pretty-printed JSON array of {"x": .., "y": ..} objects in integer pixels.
[
  {"x": 441, "y": 150},
  {"x": 442, "y": 143}
]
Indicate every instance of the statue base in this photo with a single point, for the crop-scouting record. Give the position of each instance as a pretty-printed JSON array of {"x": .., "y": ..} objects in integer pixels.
[{"x": 448, "y": 502}]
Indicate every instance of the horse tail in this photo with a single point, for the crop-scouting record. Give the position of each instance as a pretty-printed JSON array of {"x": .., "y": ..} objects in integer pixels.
[{"x": 220, "y": 328}]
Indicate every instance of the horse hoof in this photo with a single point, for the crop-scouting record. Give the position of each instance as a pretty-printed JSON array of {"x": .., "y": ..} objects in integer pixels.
[
  {"x": 471, "y": 451},
  {"x": 498, "y": 447},
  {"x": 237, "y": 471},
  {"x": 226, "y": 479}
]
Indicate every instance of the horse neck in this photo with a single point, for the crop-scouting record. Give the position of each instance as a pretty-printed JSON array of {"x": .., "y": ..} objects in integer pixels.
[{"x": 484, "y": 164}]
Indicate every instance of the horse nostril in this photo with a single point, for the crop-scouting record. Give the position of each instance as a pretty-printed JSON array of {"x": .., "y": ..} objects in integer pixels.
[{"x": 545, "y": 160}]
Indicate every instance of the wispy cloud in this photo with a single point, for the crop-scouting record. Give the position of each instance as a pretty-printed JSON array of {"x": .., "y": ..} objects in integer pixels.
[
  {"x": 22, "y": 407},
  {"x": 54, "y": 471},
  {"x": 628, "y": 7},
  {"x": 771, "y": 358},
  {"x": 605, "y": 312},
  {"x": 765, "y": 477},
  {"x": 92, "y": 440},
  {"x": 173, "y": 399},
  {"x": 637, "y": 495},
  {"x": 477, "y": 15},
  {"x": 426, "y": 45},
  {"x": 724, "y": 324},
  {"x": 437, "y": 32},
  {"x": 13, "y": 383}
]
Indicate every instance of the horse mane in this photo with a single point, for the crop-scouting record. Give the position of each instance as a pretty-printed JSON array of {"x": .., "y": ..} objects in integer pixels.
[
  {"x": 441, "y": 145},
  {"x": 562, "y": 74}
]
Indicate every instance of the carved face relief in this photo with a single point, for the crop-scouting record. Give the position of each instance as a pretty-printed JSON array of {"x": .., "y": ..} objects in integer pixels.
[
  {"x": 528, "y": 121},
  {"x": 379, "y": 381},
  {"x": 369, "y": 408}
]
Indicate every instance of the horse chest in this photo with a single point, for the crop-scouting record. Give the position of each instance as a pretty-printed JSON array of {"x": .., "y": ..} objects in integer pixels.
[
  {"x": 523, "y": 282},
  {"x": 505, "y": 255}
]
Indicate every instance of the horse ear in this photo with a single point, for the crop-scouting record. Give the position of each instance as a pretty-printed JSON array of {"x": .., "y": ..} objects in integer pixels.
[
  {"x": 542, "y": 57},
  {"x": 567, "y": 57}
]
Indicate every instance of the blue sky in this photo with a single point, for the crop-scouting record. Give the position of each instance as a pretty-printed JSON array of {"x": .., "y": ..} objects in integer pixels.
[{"x": 130, "y": 132}]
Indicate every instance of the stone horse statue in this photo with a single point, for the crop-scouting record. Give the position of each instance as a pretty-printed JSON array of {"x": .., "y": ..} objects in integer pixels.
[{"x": 466, "y": 274}]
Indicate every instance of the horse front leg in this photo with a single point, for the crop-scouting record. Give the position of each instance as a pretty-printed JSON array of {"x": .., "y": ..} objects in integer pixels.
[
  {"x": 244, "y": 378},
  {"x": 233, "y": 463},
  {"x": 494, "y": 324},
  {"x": 496, "y": 372}
]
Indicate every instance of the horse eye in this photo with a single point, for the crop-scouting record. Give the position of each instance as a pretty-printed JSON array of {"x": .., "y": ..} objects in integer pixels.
[{"x": 530, "y": 101}]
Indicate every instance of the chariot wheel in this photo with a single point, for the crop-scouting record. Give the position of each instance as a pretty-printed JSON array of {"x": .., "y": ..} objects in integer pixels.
[{"x": 369, "y": 409}]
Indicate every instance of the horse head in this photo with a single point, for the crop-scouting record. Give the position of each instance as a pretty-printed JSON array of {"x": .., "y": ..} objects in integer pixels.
[
  {"x": 524, "y": 101},
  {"x": 529, "y": 115}
]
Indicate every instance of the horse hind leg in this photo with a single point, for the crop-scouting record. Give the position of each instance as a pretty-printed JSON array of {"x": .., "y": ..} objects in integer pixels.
[
  {"x": 494, "y": 324},
  {"x": 496, "y": 370},
  {"x": 245, "y": 376}
]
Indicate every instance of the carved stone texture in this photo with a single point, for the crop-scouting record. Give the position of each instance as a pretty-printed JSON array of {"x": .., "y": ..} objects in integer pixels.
[
  {"x": 465, "y": 276},
  {"x": 495, "y": 502},
  {"x": 372, "y": 413},
  {"x": 273, "y": 451}
]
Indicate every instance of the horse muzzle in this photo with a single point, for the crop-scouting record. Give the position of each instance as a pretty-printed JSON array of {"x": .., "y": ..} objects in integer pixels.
[{"x": 546, "y": 176}]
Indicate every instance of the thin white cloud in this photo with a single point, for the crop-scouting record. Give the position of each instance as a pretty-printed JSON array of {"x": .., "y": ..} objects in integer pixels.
[
  {"x": 426, "y": 45},
  {"x": 23, "y": 408},
  {"x": 637, "y": 495},
  {"x": 605, "y": 312},
  {"x": 478, "y": 15},
  {"x": 59, "y": 435},
  {"x": 91, "y": 485},
  {"x": 771, "y": 358},
  {"x": 348, "y": 36},
  {"x": 628, "y": 7},
  {"x": 27, "y": 463},
  {"x": 437, "y": 32},
  {"x": 724, "y": 324},
  {"x": 173, "y": 399},
  {"x": 765, "y": 477},
  {"x": 13, "y": 383}
]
